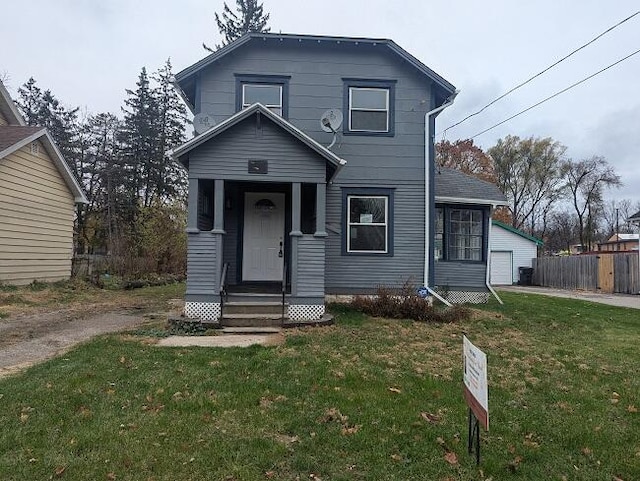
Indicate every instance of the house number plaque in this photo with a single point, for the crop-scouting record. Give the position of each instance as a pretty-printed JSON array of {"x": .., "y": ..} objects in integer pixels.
[{"x": 258, "y": 167}]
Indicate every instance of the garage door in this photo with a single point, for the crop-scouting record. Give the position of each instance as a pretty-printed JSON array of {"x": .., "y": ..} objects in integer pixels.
[{"x": 501, "y": 268}]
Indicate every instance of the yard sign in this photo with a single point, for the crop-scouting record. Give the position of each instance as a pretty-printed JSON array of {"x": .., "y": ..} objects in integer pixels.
[{"x": 476, "y": 391}]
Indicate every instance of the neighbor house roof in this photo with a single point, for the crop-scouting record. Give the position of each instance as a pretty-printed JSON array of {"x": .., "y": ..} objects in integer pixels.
[
  {"x": 635, "y": 217},
  {"x": 187, "y": 75},
  {"x": 15, "y": 137},
  {"x": 458, "y": 187},
  {"x": 8, "y": 108},
  {"x": 246, "y": 113},
  {"x": 510, "y": 228}
]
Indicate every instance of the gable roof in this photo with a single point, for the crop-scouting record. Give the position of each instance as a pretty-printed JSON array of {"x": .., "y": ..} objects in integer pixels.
[
  {"x": 14, "y": 137},
  {"x": 457, "y": 187},
  {"x": 184, "y": 77},
  {"x": 8, "y": 108},
  {"x": 510, "y": 228},
  {"x": 635, "y": 217},
  {"x": 257, "y": 108}
]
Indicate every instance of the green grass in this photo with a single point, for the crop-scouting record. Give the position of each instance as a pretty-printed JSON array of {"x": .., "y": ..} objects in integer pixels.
[{"x": 564, "y": 388}]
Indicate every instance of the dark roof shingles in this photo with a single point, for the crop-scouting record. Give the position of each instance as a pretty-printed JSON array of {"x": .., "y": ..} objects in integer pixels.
[
  {"x": 453, "y": 183},
  {"x": 12, "y": 134}
]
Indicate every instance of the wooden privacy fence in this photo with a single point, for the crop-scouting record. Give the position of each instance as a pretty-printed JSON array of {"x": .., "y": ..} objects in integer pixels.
[{"x": 603, "y": 272}]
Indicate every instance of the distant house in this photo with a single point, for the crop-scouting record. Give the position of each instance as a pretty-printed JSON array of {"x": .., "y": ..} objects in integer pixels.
[
  {"x": 511, "y": 249},
  {"x": 619, "y": 243},
  {"x": 38, "y": 194}
]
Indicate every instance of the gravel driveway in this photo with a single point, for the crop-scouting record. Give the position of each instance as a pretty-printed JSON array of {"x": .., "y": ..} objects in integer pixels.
[{"x": 29, "y": 339}]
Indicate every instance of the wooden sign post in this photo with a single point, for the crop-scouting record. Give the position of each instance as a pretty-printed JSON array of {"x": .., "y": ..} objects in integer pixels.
[{"x": 476, "y": 392}]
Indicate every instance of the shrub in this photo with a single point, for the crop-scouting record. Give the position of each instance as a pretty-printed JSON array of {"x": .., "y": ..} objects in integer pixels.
[{"x": 405, "y": 303}]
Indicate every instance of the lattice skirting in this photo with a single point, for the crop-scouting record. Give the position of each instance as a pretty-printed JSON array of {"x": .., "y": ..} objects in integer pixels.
[
  {"x": 465, "y": 297},
  {"x": 206, "y": 311},
  {"x": 305, "y": 312}
]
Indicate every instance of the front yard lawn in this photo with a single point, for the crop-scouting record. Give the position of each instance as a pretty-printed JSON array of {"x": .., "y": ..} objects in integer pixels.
[{"x": 366, "y": 399}]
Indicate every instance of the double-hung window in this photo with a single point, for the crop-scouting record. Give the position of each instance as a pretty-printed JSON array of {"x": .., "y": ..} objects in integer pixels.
[
  {"x": 459, "y": 234},
  {"x": 270, "y": 91},
  {"x": 368, "y": 221},
  {"x": 370, "y": 107}
]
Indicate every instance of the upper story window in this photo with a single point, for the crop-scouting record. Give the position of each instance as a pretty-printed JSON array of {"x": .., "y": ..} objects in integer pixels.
[
  {"x": 369, "y": 105},
  {"x": 268, "y": 95},
  {"x": 272, "y": 91},
  {"x": 459, "y": 234}
]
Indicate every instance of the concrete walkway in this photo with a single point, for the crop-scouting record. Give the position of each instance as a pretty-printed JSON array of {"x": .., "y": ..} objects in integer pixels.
[
  {"x": 619, "y": 300},
  {"x": 226, "y": 340}
]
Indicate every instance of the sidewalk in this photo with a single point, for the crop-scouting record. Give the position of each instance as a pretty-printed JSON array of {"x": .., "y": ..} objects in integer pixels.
[{"x": 619, "y": 300}]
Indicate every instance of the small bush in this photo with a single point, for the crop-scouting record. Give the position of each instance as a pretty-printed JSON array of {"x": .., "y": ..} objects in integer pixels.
[
  {"x": 405, "y": 303},
  {"x": 7, "y": 287},
  {"x": 186, "y": 327}
]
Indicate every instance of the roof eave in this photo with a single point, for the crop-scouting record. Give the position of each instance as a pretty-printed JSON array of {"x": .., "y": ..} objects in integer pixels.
[
  {"x": 470, "y": 200},
  {"x": 12, "y": 110},
  {"x": 246, "y": 113}
]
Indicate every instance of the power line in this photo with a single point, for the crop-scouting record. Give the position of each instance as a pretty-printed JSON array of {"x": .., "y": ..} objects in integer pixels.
[
  {"x": 556, "y": 94},
  {"x": 542, "y": 72}
]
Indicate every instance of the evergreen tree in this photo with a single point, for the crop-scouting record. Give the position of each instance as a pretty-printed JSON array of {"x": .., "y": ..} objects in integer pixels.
[
  {"x": 250, "y": 17},
  {"x": 170, "y": 180}
]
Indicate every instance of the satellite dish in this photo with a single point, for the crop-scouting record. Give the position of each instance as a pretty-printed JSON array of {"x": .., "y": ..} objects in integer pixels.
[
  {"x": 203, "y": 122},
  {"x": 331, "y": 120}
]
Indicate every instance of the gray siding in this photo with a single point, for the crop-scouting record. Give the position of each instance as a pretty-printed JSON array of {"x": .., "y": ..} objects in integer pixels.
[
  {"x": 311, "y": 259},
  {"x": 316, "y": 84},
  {"x": 454, "y": 275},
  {"x": 226, "y": 156},
  {"x": 203, "y": 270},
  {"x": 357, "y": 273}
]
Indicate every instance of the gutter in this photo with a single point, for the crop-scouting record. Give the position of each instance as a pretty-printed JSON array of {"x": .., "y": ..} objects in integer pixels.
[
  {"x": 428, "y": 139},
  {"x": 488, "y": 271}
]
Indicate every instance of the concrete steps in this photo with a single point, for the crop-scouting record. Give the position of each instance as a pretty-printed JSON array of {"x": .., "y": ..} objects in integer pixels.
[{"x": 252, "y": 314}]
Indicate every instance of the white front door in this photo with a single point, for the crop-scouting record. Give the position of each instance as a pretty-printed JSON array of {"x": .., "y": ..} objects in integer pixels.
[{"x": 263, "y": 237}]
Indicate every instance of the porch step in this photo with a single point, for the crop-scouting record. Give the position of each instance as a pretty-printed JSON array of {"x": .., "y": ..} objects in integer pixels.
[
  {"x": 251, "y": 330},
  {"x": 250, "y": 307},
  {"x": 252, "y": 320}
]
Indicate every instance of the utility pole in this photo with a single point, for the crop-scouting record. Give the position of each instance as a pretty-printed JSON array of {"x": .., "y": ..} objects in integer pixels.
[{"x": 617, "y": 231}]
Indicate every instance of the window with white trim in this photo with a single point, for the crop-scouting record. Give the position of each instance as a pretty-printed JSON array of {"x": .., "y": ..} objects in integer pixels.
[
  {"x": 368, "y": 224},
  {"x": 459, "y": 234},
  {"x": 368, "y": 109},
  {"x": 269, "y": 95}
]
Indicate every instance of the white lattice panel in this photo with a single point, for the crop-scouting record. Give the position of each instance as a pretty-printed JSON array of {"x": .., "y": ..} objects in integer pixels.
[
  {"x": 205, "y": 311},
  {"x": 465, "y": 297},
  {"x": 305, "y": 312}
]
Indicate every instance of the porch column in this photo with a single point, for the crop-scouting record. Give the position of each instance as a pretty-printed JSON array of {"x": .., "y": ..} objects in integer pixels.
[
  {"x": 218, "y": 207},
  {"x": 296, "y": 233},
  {"x": 192, "y": 209},
  {"x": 321, "y": 210}
]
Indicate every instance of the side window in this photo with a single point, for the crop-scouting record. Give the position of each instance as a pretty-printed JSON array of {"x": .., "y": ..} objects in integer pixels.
[
  {"x": 459, "y": 234},
  {"x": 369, "y": 107},
  {"x": 272, "y": 91},
  {"x": 368, "y": 219}
]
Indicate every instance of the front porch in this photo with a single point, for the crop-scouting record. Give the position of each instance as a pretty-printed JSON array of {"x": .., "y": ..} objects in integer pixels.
[{"x": 255, "y": 242}]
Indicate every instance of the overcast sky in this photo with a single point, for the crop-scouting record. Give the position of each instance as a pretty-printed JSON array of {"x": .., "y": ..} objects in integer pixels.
[{"x": 88, "y": 52}]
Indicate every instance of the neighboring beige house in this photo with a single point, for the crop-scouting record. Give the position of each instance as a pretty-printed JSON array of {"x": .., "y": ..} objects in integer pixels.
[
  {"x": 38, "y": 194},
  {"x": 619, "y": 242}
]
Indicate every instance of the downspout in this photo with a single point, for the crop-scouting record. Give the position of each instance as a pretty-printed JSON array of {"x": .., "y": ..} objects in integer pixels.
[
  {"x": 488, "y": 270},
  {"x": 428, "y": 140}
]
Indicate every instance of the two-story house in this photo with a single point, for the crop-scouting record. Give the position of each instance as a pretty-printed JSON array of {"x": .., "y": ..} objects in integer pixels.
[{"x": 280, "y": 197}]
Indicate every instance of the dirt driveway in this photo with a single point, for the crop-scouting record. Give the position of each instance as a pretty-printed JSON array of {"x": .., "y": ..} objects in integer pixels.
[{"x": 29, "y": 339}]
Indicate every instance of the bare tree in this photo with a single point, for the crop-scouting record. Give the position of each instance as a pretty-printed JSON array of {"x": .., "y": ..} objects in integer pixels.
[
  {"x": 586, "y": 182},
  {"x": 529, "y": 172}
]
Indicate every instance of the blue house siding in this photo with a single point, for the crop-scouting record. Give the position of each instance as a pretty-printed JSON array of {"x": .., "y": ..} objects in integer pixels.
[
  {"x": 348, "y": 274},
  {"x": 226, "y": 157}
]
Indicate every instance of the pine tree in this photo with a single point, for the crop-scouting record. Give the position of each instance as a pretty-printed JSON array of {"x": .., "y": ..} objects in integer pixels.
[
  {"x": 250, "y": 17},
  {"x": 171, "y": 179}
]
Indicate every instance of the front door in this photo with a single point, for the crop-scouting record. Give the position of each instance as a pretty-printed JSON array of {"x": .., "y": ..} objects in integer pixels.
[{"x": 263, "y": 237}]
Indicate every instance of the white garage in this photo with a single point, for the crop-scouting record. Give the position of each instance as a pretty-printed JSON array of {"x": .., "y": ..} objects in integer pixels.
[{"x": 510, "y": 250}]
